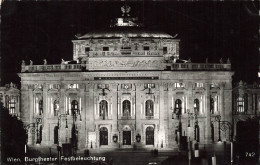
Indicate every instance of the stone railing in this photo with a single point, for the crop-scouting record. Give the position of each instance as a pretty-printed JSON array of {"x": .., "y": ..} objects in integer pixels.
[
  {"x": 54, "y": 68},
  {"x": 82, "y": 67},
  {"x": 200, "y": 66}
]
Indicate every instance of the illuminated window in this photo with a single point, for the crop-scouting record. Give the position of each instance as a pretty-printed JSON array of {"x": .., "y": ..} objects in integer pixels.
[
  {"x": 11, "y": 105},
  {"x": 178, "y": 107},
  {"x": 149, "y": 108},
  {"x": 240, "y": 105},
  {"x": 126, "y": 108},
  {"x": 126, "y": 86},
  {"x": 212, "y": 105},
  {"x": 102, "y": 86},
  {"x": 56, "y": 107},
  {"x": 149, "y": 85},
  {"x": 74, "y": 107},
  {"x": 103, "y": 109},
  {"x": 179, "y": 85},
  {"x": 198, "y": 85},
  {"x": 196, "y": 106},
  {"x": 73, "y": 86},
  {"x": 54, "y": 86},
  {"x": 38, "y": 106}
]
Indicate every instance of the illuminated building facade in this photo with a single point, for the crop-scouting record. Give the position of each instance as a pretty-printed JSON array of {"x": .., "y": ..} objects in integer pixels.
[{"x": 125, "y": 88}]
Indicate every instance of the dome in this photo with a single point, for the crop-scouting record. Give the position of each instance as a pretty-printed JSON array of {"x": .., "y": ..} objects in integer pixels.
[{"x": 132, "y": 32}]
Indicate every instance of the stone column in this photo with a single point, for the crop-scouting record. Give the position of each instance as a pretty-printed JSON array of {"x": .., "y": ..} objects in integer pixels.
[
  {"x": 161, "y": 134},
  {"x": 46, "y": 111},
  {"x": 138, "y": 114},
  {"x": 207, "y": 139},
  {"x": 31, "y": 136},
  {"x": 90, "y": 114}
]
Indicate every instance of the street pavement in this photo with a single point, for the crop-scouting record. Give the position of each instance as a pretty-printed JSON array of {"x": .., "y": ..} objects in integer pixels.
[{"x": 144, "y": 157}]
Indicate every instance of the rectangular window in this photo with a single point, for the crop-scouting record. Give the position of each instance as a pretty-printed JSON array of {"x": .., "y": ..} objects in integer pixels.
[
  {"x": 11, "y": 105},
  {"x": 198, "y": 85},
  {"x": 150, "y": 85},
  {"x": 102, "y": 86},
  {"x": 179, "y": 85},
  {"x": 54, "y": 86},
  {"x": 73, "y": 86},
  {"x": 240, "y": 105},
  {"x": 87, "y": 49},
  {"x": 146, "y": 48},
  {"x": 164, "y": 50},
  {"x": 105, "y": 48},
  {"x": 126, "y": 86}
]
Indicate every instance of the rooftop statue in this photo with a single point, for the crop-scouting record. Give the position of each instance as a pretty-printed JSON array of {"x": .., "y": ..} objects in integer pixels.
[
  {"x": 23, "y": 63},
  {"x": 228, "y": 61},
  {"x": 62, "y": 61},
  {"x": 221, "y": 61},
  {"x": 44, "y": 62},
  {"x": 31, "y": 62}
]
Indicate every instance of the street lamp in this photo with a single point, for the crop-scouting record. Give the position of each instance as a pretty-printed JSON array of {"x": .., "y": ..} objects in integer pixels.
[
  {"x": 58, "y": 125},
  {"x": 74, "y": 133},
  {"x": 218, "y": 119},
  {"x": 223, "y": 126},
  {"x": 34, "y": 128}
]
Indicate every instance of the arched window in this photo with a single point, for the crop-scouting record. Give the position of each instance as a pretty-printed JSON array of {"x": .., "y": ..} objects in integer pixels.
[
  {"x": 212, "y": 105},
  {"x": 74, "y": 107},
  {"x": 178, "y": 107},
  {"x": 40, "y": 103},
  {"x": 126, "y": 108},
  {"x": 149, "y": 108},
  {"x": 196, "y": 106},
  {"x": 103, "y": 109},
  {"x": 240, "y": 105},
  {"x": 56, "y": 107}
]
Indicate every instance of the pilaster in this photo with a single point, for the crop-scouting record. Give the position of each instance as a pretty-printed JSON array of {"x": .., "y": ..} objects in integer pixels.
[{"x": 207, "y": 138}]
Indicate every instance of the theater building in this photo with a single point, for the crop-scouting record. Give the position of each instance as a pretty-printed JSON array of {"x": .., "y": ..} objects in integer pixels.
[{"x": 126, "y": 88}]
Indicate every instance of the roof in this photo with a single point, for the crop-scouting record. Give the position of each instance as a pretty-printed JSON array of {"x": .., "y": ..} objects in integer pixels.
[{"x": 132, "y": 32}]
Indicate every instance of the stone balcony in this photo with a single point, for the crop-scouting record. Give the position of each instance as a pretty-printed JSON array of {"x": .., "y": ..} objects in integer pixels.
[
  {"x": 83, "y": 67},
  {"x": 201, "y": 66},
  {"x": 54, "y": 68}
]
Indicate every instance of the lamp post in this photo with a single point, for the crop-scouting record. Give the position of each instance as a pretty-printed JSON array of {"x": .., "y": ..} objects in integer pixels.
[
  {"x": 224, "y": 126},
  {"x": 218, "y": 119},
  {"x": 74, "y": 133},
  {"x": 34, "y": 128},
  {"x": 58, "y": 142}
]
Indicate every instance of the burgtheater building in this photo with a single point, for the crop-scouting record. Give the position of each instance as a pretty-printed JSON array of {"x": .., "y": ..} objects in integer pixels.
[{"x": 126, "y": 87}]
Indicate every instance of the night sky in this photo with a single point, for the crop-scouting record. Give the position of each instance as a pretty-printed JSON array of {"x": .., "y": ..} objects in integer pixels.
[{"x": 38, "y": 30}]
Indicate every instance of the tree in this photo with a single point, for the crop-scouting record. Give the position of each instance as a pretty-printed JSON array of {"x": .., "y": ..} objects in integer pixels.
[{"x": 13, "y": 135}]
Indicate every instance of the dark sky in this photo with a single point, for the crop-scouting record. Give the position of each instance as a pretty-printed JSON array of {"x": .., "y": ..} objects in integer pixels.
[{"x": 213, "y": 30}]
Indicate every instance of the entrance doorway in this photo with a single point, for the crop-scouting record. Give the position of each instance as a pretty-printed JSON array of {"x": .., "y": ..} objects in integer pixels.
[
  {"x": 126, "y": 137},
  {"x": 103, "y": 136},
  {"x": 149, "y": 136}
]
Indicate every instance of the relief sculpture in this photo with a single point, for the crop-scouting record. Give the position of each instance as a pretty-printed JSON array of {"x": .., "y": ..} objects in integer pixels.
[{"x": 126, "y": 63}]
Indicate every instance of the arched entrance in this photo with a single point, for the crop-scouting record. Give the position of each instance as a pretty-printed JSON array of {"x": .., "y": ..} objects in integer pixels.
[
  {"x": 103, "y": 136},
  {"x": 149, "y": 135}
]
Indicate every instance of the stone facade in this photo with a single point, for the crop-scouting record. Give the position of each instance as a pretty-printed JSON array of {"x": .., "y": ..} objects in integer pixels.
[
  {"x": 128, "y": 88},
  {"x": 10, "y": 98}
]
